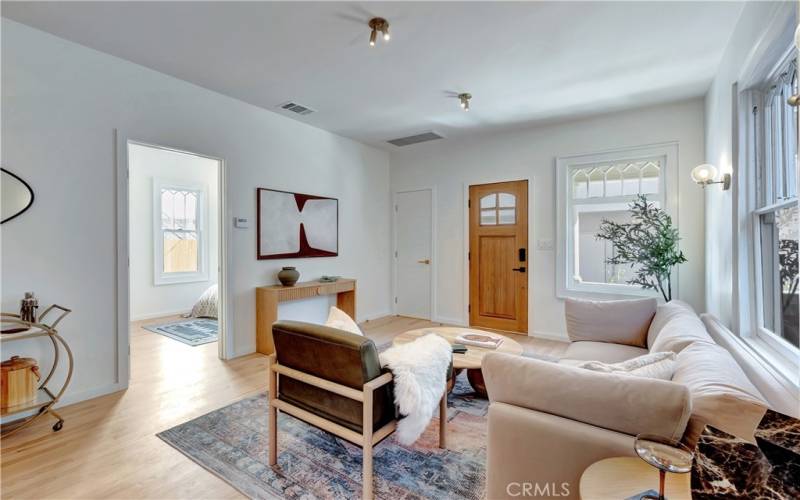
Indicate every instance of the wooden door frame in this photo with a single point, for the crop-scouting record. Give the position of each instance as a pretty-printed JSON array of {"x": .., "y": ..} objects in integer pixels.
[
  {"x": 434, "y": 257},
  {"x": 226, "y": 337},
  {"x": 465, "y": 209}
]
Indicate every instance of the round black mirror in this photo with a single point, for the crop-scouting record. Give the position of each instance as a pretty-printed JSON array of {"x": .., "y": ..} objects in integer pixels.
[{"x": 17, "y": 196}]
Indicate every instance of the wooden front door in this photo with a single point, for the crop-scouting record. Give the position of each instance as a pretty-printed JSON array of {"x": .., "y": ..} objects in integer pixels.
[{"x": 498, "y": 256}]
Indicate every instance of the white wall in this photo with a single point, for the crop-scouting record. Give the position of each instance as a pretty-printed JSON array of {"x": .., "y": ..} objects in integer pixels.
[
  {"x": 758, "y": 27},
  {"x": 449, "y": 164},
  {"x": 147, "y": 299},
  {"x": 60, "y": 103}
]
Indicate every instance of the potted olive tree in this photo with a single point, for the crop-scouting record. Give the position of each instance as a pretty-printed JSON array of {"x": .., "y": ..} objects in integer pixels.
[{"x": 648, "y": 244}]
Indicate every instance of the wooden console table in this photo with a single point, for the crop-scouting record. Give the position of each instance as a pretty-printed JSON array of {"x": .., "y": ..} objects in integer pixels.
[{"x": 268, "y": 298}]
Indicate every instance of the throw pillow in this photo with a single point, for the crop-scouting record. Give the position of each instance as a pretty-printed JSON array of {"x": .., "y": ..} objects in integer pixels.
[
  {"x": 616, "y": 321},
  {"x": 341, "y": 320},
  {"x": 658, "y": 365}
]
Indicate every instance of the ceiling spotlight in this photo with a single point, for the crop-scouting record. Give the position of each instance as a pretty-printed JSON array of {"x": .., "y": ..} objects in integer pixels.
[
  {"x": 464, "y": 98},
  {"x": 378, "y": 24}
]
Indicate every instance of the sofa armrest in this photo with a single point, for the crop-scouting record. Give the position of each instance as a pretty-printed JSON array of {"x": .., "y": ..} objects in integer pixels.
[
  {"x": 528, "y": 447},
  {"x": 622, "y": 403}
]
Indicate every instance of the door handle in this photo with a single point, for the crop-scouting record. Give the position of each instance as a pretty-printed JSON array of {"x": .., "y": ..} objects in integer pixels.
[
  {"x": 519, "y": 269},
  {"x": 424, "y": 261}
]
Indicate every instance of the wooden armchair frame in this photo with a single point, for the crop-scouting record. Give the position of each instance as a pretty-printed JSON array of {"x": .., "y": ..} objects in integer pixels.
[{"x": 366, "y": 439}]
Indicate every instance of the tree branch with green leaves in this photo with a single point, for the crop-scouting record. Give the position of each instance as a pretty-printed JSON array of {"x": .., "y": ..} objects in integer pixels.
[{"x": 649, "y": 241}]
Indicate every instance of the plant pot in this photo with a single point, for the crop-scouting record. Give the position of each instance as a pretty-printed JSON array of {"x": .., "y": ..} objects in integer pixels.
[{"x": 288, "y": 276}]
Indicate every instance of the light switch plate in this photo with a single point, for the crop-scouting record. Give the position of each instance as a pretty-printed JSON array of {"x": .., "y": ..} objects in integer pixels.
[
  {"x": 241, "y": 222},
  {"x": 544, "y": 244}
]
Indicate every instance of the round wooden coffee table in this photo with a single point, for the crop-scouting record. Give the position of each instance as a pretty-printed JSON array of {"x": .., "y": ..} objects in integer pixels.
[{"x": 471, "y": 360}]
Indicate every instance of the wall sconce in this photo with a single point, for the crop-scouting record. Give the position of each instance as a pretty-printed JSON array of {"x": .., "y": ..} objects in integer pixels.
[{"x": 706, "y": 173}]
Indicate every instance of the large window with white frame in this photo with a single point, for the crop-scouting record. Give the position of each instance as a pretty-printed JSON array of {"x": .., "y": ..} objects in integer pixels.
[
  {"x": 774, "y": 208},
  {"x": 179, "y": 233},
  {"x": 597, "y": 187}
]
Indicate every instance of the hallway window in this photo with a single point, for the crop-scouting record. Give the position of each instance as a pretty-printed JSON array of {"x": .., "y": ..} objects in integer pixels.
[{"x": 178, "y": 234}]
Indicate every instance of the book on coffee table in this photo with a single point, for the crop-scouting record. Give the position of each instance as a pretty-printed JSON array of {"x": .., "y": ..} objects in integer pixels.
[{"x": 480, "y": 340}]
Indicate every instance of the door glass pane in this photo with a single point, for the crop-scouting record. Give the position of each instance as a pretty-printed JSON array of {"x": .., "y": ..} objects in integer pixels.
[
  {"x": 488, "y": 217},
  {"x": 489, "y": 201},
  {"x": 507, "y": 215},
  {"x": 507, "y": 200}
]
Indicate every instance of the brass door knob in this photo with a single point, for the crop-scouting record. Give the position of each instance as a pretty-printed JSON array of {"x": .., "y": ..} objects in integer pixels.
[{"x": 424, "y": 261}]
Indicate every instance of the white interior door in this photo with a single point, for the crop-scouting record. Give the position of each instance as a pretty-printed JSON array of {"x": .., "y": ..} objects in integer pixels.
[{"x": 413, "y": 254}]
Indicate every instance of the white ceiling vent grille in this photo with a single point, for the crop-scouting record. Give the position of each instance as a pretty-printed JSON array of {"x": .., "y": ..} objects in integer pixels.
[
  {"x": 416, "y": 139},
  {"x": 297, "y": 108}
]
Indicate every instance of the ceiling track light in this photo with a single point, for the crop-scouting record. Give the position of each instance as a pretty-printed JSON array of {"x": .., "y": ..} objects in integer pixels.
[
  {"x": 378, "y": 24},
  {"x": 464, "y": 98}
]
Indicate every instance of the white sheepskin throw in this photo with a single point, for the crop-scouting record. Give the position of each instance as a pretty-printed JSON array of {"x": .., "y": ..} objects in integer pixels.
[{"x": 419, "y": 369}]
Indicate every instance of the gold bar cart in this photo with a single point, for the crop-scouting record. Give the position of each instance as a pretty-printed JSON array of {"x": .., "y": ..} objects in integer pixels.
[{"x": 45, "y": 398}]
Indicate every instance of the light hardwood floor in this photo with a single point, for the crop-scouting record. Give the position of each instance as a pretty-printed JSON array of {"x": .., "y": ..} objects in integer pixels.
[{"x": 108, "y": 447}]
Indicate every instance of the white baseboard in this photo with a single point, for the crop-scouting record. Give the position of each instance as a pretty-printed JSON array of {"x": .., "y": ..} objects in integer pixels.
[
  {"x": 162, "y": 314},
  {"x": 449, "y": 321},
  {"x": 71, "y": 398},
  {"x": 374, "y": 316},
  {"x": 549, "y": 336}
]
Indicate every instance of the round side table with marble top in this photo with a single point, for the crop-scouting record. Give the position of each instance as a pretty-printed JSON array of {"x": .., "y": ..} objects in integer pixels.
[{"x": 470, "y": 360}]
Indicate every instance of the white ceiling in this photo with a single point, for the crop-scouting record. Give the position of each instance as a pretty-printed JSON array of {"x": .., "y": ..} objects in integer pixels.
[{"x": 523, "y": 62}]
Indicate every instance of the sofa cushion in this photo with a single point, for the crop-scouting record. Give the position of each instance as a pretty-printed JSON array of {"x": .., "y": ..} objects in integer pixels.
[
  {"x": 679, "y": 332},
  {"x": 664, "y": 314},
  {"x": 600, "y": 351},
  {"x": 615, "y": 321},
  {"x": 660, "y": 365},
  {"x": 722, "y": 395}
]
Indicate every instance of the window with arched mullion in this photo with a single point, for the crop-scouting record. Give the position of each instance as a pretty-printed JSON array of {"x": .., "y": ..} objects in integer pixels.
[{"x": 595, "y": 187}]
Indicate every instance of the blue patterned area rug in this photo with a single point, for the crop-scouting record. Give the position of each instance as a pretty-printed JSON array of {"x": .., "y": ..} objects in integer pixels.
[
  {"x": 193, "y": 331},
  {"x": 232, "y": 443}
]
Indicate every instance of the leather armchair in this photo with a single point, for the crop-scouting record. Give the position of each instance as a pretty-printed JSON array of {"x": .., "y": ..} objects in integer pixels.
[{"x": 333, "y": 380}]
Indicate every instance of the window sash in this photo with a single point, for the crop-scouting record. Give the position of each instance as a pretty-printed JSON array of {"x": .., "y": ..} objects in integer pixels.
[
  {"x": 774, "y": 294},
  {"x": 775, "y": 165},
  {"x": 162, "y": 230}
]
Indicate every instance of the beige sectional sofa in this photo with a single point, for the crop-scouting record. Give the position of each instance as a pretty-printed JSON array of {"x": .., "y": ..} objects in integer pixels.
[{"x": 549, "y": 421}]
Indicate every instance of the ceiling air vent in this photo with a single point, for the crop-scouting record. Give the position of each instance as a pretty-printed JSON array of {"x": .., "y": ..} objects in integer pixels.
[
  {"x": 296, "y": 108},
  {"x": 416, "y": 139}
]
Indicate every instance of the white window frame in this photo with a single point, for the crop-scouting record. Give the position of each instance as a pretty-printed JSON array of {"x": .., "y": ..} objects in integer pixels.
[
  {"x": 566, "y": 284},
  {"x": 755, "y": 170},
  {"x": 159, "y": 276}
]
